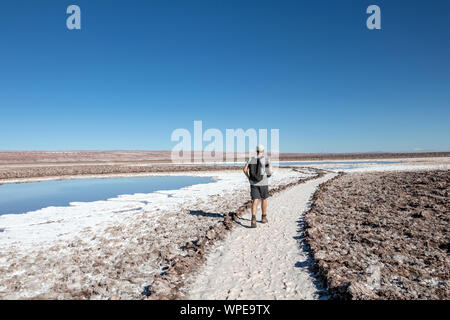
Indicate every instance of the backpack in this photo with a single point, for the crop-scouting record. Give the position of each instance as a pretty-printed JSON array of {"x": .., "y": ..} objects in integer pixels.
[{"x": 256, "y": 171}]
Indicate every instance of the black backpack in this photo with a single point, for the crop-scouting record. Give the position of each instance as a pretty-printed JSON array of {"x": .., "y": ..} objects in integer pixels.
[{"x": 255, "y": 171}]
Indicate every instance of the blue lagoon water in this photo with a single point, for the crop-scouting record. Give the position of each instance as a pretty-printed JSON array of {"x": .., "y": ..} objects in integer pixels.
[
  {"x": 24, "y": 197},
  {"x": 337, "y": 165}
]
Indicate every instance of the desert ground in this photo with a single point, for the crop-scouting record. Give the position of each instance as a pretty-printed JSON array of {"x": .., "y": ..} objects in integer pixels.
[
  {"x": 369, "y": 231},
  {"x": 129, "y": 156},
  {"x": 383, "y": 235}
]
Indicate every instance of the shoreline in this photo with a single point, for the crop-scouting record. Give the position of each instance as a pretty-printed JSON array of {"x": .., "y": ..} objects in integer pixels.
[
  {"x": 25, "y": 174},
  {"x": 118, "y": 175},
  {"x": 153, "y": 171}
]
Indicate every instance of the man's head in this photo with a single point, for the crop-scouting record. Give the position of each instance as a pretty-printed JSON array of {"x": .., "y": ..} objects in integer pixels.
[{"x": 259, "y": 149}]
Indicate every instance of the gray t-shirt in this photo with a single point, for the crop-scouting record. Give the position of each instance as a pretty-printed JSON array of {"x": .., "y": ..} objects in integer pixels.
[{"x": 265, "y": 164}]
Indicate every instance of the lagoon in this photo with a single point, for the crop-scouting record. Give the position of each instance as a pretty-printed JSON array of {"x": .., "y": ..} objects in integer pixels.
[{"x": 25, "y": 197}]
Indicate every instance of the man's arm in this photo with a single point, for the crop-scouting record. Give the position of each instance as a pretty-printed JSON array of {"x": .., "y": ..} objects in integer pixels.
[
  {"x": 246, "y": 171},
  {"x": 269, "y": 168}
]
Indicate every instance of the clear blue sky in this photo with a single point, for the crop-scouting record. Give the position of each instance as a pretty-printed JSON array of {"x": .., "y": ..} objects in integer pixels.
[{"x": 140, "y": 69}]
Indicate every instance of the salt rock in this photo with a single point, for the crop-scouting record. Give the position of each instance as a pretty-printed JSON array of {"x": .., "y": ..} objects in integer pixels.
[{"x": 211, "y": 234}]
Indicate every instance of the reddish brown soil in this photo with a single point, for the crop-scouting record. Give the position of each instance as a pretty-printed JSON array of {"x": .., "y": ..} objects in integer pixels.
[
  {"x": 383, "y": 235},
  {"x": 30, "y": 157},
  {"x": 359, "y": 156},
  {"x": 36, "y": 157},
  {"x": 61, "y": 171}
]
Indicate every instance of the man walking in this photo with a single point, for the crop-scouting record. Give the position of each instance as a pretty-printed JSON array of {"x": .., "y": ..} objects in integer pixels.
[{"x": 258, "y": 170}]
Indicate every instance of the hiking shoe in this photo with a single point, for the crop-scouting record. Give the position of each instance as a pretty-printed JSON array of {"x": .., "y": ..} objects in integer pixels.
[
  {"x": 253, "y": 222},
  {"x": 264, "y": 218}
]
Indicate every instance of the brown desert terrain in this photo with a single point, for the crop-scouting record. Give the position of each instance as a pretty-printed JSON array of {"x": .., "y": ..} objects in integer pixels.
[
  {"x": 118, "y": 156},
  {"x": 383, "y": 235}
]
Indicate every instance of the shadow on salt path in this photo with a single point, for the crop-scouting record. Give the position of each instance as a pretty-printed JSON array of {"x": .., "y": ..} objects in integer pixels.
[
  {"x": 308, "y": 264},
  {"x": 206, "y": 214},
  {"x": 217, "y": 215}
]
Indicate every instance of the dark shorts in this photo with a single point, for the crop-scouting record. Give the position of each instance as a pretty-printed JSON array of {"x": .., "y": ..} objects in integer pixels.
[{"x": 259, "y": 192}]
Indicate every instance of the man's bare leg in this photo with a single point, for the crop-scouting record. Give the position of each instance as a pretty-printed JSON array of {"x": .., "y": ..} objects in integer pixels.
[
  {"x": 264, "y": 206},
  {"x": 264, "y": 210},
  {"x": 254, "y": 208}
]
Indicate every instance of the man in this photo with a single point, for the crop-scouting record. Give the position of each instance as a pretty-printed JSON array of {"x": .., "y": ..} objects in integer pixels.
[{"x": 258, "y": 170}]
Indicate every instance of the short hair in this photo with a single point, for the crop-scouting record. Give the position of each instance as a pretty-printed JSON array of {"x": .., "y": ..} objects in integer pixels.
[{"x": 260, "y": 148}]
